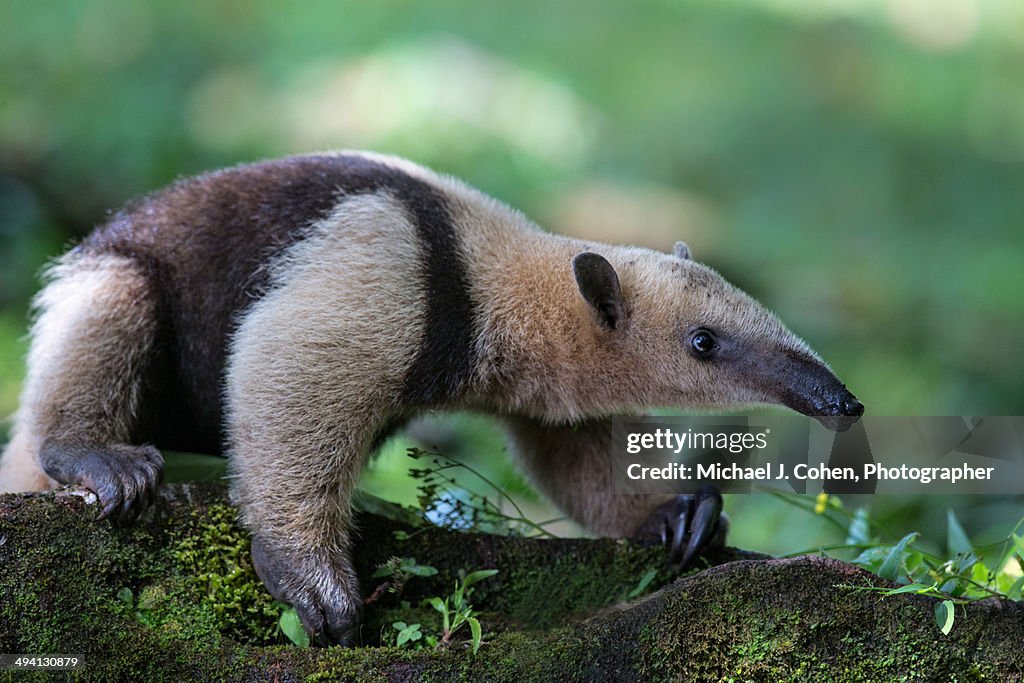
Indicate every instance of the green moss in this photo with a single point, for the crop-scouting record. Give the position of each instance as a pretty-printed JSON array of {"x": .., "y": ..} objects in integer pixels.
[
  {"x": 212, "y": 556},
  {"x": 752, "y": 620},
  {"x": 539, "y": 593},
  {"x": 60, "y": 596},
  {"x": 366, "y": 664},
  {"x": 540, "y": 582},
  {"x": 754, "y": 635}
]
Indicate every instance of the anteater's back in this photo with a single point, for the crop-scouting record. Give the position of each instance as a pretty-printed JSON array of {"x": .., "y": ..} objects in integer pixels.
[{"x": 169, "y": 278}]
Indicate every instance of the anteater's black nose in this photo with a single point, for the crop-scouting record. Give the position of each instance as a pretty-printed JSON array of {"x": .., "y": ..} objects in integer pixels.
[{"x": 851, "y": 406}]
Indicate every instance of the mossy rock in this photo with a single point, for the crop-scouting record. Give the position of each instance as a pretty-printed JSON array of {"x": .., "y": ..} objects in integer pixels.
[{"x": 174, "y": 598}]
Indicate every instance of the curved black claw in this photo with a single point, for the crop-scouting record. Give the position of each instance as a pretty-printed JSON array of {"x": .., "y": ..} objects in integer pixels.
[
  {"x": 327, "y": 600},
  {"x": 124, "y": 478},
  {"x": 688, "y": 525}
]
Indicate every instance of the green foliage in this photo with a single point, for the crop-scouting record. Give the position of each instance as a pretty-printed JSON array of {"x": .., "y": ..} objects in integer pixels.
[
  {"x": 702, "y": 629},
  {"x": 890, "y": 567},
  {"x": 397, "y": 571},
  {"x": 407, "y": 633},
  {"x": 963, "y": 575},
  {"x": 402, "y": 568},
  {"x": 944, "y": 613},
  {"x": 456, "y": 610}
]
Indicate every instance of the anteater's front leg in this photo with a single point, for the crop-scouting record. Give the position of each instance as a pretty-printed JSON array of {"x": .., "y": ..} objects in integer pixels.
[
  {"x": 297, "y": 438},
  {"x": 293, "y": 471},
  {"x": 572, "y": 464},
  {"x": 316, "y": 370}
]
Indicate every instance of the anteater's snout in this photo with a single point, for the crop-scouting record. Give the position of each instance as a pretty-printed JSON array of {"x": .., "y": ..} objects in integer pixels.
[
  {"x": 836, "y": 402},
  {"x": 841, "y": 411},
  {"x": 841, "y": 404},
  {"x": 850, "y": 406},
  {"x": 809, "y": 387}
]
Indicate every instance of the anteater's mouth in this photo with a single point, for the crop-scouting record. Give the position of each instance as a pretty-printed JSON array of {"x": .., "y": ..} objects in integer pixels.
[{"x": 840, "y": 423}]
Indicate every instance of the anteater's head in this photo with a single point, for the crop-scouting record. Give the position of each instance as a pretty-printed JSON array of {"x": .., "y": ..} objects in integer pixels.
[{"x": 679, "y": 327}]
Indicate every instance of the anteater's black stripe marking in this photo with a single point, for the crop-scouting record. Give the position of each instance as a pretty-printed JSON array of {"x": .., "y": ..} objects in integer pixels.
[
  {"x": 446, "y": 357},
  {"x": 205, "y": 243}
]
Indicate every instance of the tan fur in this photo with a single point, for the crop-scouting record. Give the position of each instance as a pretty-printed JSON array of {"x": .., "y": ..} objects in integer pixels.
[
  {"x": 541, "y": 356},
  {"x": 542, "y": 353},
  {"x": 94, "y": 325},
  {"x": 315, "y": 371}
]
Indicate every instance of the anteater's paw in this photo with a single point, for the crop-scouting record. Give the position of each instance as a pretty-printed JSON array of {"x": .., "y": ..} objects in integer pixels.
[
  {"x": 327, "y": 600},
  {"x": 688, "y": 525},
  {"x": 124, "y": 478}
]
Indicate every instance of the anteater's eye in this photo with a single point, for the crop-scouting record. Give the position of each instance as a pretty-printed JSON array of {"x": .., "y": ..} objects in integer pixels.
[{"x": 702, "y": 343}]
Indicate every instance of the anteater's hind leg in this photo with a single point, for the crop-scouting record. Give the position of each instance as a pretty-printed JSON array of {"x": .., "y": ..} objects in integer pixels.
[{"x": 92, "y": 343}]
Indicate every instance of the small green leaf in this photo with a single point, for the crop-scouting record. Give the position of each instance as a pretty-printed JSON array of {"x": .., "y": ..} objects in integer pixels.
[
  {"x": 957, "y": 541},
  {"x": 411, "y": 632},
  {"x": 125, "y": 596},
  {"x": 912, "y": 561},
  {"x": 438, "y": 604},
  {"x": 871, "y": 558},
  {"x": 400, "y": 535},
  {"x": 910, "y": 588},
  {"x": 965, "y": 561},
  {"x": 475, "y": 632},
  {"x": 1014, "y": 593},
  {"x": 944, "y": 613},
  {"x": 382, "y": 571},
  {"x": 645, "y": 581},
  {"x": 860, "y": 528},
  {"x": 291, "y": 626},
  {"x": 399, "y": 625},
  {"x": 890, "y": 568},
  {"x": 420, "y": 570},
  {"x": 980, "y": 573},
  {"x": 479, "y": 575}
]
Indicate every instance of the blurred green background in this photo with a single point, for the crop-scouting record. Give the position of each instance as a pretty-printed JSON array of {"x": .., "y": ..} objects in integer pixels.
[{"x": 856, "y": 165}]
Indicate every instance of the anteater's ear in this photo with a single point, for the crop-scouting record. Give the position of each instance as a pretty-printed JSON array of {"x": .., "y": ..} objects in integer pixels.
[
  {"x": 682, "y": 251},
  {"x": 599, "y": 286}
]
